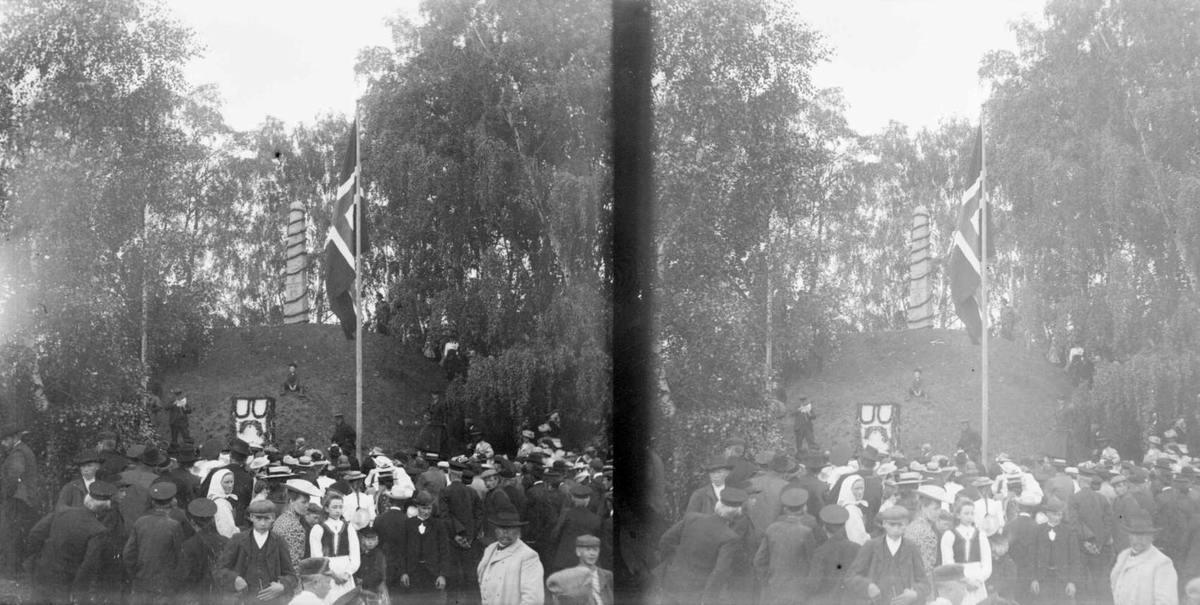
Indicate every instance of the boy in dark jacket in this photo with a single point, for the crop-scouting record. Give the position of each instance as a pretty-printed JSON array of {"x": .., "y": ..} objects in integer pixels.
[
  {"x": 1004, "y": 570},
  {"x": 372, "y": 564}
]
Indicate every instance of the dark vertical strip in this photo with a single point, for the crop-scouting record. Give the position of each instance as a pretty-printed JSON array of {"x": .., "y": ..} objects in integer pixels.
[{"x": 633, "y": 280}]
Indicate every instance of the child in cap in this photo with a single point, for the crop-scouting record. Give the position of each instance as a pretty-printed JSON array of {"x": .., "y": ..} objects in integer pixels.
[
  {"x": 372, "y": 563},
  {"x": 1003, "y": 582}
]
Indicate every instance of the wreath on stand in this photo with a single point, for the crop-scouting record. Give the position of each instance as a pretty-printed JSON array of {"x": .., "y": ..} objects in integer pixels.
[
  {"x": 265, "y": 422},
  {"x": 865, "y": 429}
]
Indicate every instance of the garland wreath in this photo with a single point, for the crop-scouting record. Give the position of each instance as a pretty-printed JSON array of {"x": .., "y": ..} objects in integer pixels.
[
  {"x": 265, "y": 423},
  {"x": 864, "y": 429}
]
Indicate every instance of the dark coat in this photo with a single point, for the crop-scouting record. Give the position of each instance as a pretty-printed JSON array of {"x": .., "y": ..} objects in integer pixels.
[
  {"x": 430, "y": 550},
  {"x": 826, "y": 582},
  {"x": 782, "y": 560},
  {"x": 372, "y": 570},
  {"x": 1175, "y": 512},
  {"x": 572, "y": 523},
  {"x": 876, "y": 565},
  {"x": 18, "y": 476},
  {"x": 151, "y": 554},
  {"x": 539, "y": 513},
  {"x": 197, "y": 558},
  {"x": 1022, "y": 549},
  {"x": 1058, "y": 560},
  {"x": 462, "y": 509},
  {"x": 390, "y": 526},
  {"x": 703, "y": 500},
  {"x": 1123, "y": 509},
  {"x": 258, "y": 567},
  {"x": 699, "y": 551},
  {"x": 1091, "y": 515},
  {"x": 516, "y": 495},
  {"x": 73, "y": 545},
  {"x": 71, "y": 495},
  {"x": 243, "y": 488}
]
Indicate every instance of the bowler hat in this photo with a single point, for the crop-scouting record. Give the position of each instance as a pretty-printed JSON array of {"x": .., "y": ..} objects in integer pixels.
[
  {"x": 152, "y": 456},
  {"x": 423, "y": 498},
  {"x": 507, "y": 519},
  {"x": 1140, "y": 523},
  {"x": 1054, "y": 505},
  {"x": 239, "y": 446}
]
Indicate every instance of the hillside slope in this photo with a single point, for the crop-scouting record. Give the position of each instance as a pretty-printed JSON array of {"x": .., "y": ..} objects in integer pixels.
[
  {"x": 877, "y": 368},
  {"x": 253, "y": 361}
]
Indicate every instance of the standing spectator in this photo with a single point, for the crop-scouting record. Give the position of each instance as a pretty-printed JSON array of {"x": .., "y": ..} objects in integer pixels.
[
  {"x": 220, "y": 491},
  {"x": 243, "y": 481},
  {"x": 700, "y": 551},
  {"x": 510, "y": 572},
  {"x": 967, "y": 546},
  {"x": 826, "y": 583},
  {"x": 802, "y": 425},
  {"x": 573, "y": 522},
  {"x": 462, "y": 509},
  {"x": 372, "y": 568},
  {"x": 785, "y": 552},
  {"x": 426, "y": 561},
  {"x": 889, "y": 567},
  {"x": 390, "y": 527},
  {"x": 494, "y": 502},
  {"x": 1142, "y": 574},
  {"x": 75, "y": 491},
  {"x": 593, "y": 584},
  {"x": 735, "y": 451},
  {"x": 969, "y": 440},
  {"x": 151, "y": 554},
  {"x": 850, "y": 498},
  {"x": 1023, "y": 536},
  {"x": 704, "y": 500},
  {"x": 179, "y": 414},
  {"x": 255, "y": 563},
  {"x": 1058, "y": 568},
  {"x": 922, "y": 531},
  {"x": 290, "y": 524},
  {"x": 199, "y": 554},
  {"x": 336, "y": 539},
  {"x": 72, "y": 544},
  {"x": 1091, "y": 518},
  {"x": 18, "y": 497}
]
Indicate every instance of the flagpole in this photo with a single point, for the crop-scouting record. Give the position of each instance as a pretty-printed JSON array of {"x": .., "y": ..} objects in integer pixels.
[
  {"x": 358, "y": 315},
  {"x": 983, "y": 279}
]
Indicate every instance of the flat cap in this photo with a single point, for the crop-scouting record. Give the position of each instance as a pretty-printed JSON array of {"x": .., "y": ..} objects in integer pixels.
[
  {"x": 587, "y": 541},
  {"x": 892, "y": 513},
  {"x": 163, "y": 490},
  {"x": 101, "y": 490},
  {"x": 833, "y": 514},
  {"x": 731, "y": 496},
  {"x": 313, "y": 566},
  {"x": 202, "y": 508},
  {"x": 795, "y": 497},
  {"x": 581, "y": 491}
]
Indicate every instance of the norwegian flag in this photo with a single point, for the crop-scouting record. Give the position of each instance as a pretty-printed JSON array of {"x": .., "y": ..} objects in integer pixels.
[
  {"x": 340, "y": 276},
  {"x": 965, "y": 276}
]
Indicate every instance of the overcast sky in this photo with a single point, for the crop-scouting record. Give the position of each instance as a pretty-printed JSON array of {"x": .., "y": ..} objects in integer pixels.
[{"x": 913, "y": 61}]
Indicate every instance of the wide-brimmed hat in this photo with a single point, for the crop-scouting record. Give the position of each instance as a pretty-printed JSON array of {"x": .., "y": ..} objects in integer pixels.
[
  {"x": 239, "y": 446},
  {"x": 507, "y": 519},
  {"x": 783, "y": 463},
  {"x": 1140, "y": 523},
  {"x": 152, "y": 456},
  {"x": 353, "y": 476},
  {"x": 400, "y": 492},
  {"x": 279, "y": 472},
  {"x": 935, "y": 492},
  {"x": 88, "y": 457},
  {"x": 302, "y": 486},
  {"x": 907, "y": 478}
]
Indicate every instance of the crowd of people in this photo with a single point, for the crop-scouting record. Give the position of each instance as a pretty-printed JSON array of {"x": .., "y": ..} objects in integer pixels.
[
  {"x": 834, "y": 526},
  {"x": 227, "y": 521}
]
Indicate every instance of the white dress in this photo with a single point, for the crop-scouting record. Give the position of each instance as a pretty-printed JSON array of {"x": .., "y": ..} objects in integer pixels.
[{"x": 347, "y": 564}]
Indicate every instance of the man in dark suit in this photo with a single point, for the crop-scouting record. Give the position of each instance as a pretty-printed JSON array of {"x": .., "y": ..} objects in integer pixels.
[
  {"x": 462, "y": 510},
  {"x": 495, "y": 501},
  {"x": 1092, "y": 520},
  {"x": 889, "y": 568},
  {"x": 785, "y": 552},
  {"x": 704, "y": 500},
  {"x": 826, "y": 582},
  {"x": 426, "y": 554},
  {"x": 390, "y": 527},
  {"x": 199, "y": 554},
  {"x": 700, "y": 550},
  {"x": 18, "y": 497},
  {"x": 255, "y": 565},
  {"x": 1022, "y": 543},
  {"x": 574, "y": 521},
  {"x": 151, "y": 554},
  {"x": 540, "y": 516},
  {"x": 1175, "y": 511},
  {"x": 72, "y": 544},
  {"x": 735, "y": 451},
  {"x": 1058, "y": 567}
]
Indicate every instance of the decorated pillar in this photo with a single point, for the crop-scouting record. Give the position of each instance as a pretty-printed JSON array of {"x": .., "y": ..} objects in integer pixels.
[
  {"x": 920, "y": 291},
  {"x": 295, "y": 298}
]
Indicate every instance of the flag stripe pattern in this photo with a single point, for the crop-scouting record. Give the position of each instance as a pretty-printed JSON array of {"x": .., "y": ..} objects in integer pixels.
[
  {"x": 339, "y": 249},
  {"x": 965, "y": 276}
]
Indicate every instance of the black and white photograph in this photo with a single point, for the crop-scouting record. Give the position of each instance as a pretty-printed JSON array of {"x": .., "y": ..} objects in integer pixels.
[{"x": 878, "y": 302}]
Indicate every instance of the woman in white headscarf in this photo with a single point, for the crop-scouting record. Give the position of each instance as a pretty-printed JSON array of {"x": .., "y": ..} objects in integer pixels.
[
  {"x": 850, "y": 498},
  {"x": 220, "y": 491}
]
